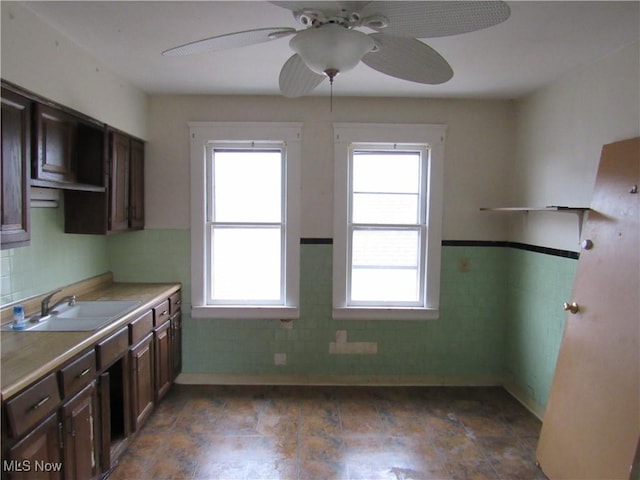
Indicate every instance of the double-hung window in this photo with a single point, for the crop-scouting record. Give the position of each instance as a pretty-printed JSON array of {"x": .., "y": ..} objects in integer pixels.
[
  {"x": 387, "y": 211},
  {"x": 245, "y": 216}
]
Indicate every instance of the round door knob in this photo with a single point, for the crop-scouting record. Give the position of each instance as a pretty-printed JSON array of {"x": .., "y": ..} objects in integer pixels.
[{"x": 571, "y": 307}]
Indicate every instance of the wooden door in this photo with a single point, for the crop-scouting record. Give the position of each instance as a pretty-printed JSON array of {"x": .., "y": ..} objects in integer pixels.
[
  {"x": 592, "y": 423},
  {"x": 80, "y": 428},
  {"x": 142, "y": 391}
]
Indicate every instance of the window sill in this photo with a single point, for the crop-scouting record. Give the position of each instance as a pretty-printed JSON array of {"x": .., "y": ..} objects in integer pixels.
[
  {"x": 233, "y": 312},
  {"x": 369, "y": 313}
]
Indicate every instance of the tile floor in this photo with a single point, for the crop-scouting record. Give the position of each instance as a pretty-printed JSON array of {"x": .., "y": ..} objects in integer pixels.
[{"x": 350, "y": 433}]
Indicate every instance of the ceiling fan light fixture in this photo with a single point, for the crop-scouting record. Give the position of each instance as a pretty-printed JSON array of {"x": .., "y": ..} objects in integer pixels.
[{"x": 331, "y": 48}]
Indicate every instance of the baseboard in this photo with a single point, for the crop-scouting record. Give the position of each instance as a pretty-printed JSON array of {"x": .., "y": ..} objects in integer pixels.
[
  {"x": 364, "y": 380},
  {"x": 529, "y": 403},
  {"x": 337, "y": 380}
]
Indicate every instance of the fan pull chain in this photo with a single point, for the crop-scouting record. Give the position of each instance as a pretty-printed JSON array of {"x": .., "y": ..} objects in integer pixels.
[
  {"x": 331, "y": 73},
  {"x": 331, "y": 95}
]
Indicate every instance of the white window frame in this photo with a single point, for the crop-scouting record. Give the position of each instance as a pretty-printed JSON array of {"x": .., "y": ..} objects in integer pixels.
[
  {"x": 202, "y": 136},
  {"x": 432, "y": 137}
]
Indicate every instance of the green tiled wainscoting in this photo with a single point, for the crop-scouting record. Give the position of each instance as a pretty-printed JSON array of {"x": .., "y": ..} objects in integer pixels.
[
  {"x": 538, "y": 284},
  {"x": 467, "y": 341},
  {"x": 152, "y": 256},
  {"x": 52, "y": 259},
  {"x": 501, "y": 315}
]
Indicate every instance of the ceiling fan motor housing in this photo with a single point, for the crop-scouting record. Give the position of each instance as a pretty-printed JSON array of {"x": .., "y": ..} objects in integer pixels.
[{"x": 331, "y": 48}]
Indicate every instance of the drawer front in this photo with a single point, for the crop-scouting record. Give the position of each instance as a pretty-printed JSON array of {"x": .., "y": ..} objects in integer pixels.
[
  {"x": 112, "y": 348},
  {"x": 140, "y": 327},
  {"x": 161, "y": 313},
  {"x": 78, "y": 374},
  {"x": 175, "y": 302},
  {"x": 31, "y": 406}
]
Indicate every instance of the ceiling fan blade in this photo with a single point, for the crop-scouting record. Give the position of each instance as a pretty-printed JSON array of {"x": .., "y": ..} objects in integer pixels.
[
  {"x": 328, "y": 8},
  {"x": 438, "y": 18},
  {"x": 230, "y": 40},
  {"x": 296, "y": 79},
  {"x": 408, "y": 59}
]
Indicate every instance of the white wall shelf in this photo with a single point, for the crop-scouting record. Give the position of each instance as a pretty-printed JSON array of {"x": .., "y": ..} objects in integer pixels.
[{"x": 579, "y": 211}]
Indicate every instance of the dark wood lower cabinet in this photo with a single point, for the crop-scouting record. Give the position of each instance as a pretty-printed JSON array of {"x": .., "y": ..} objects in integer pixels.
[
  {"x": 75, "y": 423},
  {"x": 176, "y": 344},
  {"x": 142, "y": 393},
  {"x": 80, "y": 444},
  {"x": 164, "y": 366},
  {"x": 37, "y": 456}
]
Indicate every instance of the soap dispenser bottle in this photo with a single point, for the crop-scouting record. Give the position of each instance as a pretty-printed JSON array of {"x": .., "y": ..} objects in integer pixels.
[{"x": 18, "y": 318}]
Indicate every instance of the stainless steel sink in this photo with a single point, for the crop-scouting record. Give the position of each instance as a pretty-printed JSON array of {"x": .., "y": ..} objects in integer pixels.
[{"x": 82, "y": 316}]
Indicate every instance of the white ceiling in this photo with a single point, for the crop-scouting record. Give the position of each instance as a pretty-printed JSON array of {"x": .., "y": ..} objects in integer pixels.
[{"x": 540, "y": 42}]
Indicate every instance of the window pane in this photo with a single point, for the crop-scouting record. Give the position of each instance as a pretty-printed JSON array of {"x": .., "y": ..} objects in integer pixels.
[
  {"x": 391, "y": 172},
  {"x": 388, "y": 285},
  {"x": 385, "y": 248},
  {"x": 246, "y": 264},
  {"x": 385, "y": 266},
  {"x": 385, "y": 208},
  {"x": 247, "y": 186}
]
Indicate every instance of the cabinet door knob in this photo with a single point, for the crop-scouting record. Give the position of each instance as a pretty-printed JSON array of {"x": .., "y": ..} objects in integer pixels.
[{"x": 571, "y": 307}]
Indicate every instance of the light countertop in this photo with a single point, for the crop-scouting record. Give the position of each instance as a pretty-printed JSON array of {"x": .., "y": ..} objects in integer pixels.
[{"x": 28, "y": 356}]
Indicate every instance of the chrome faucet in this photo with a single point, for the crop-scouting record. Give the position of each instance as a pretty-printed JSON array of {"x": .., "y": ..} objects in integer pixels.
[{"x": 45, "y": 309}]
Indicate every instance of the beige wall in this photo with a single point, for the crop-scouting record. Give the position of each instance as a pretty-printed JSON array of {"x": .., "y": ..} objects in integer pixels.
[
  {"x": 40, "y": 59},
  {"x": 541, "y": 150},
  {"x": 560, "y": 132},
  {"x": 478, "y": 150}
]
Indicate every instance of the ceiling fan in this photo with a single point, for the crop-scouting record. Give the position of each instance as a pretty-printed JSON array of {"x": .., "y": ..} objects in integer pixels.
[{"x": 332, "y": 42}]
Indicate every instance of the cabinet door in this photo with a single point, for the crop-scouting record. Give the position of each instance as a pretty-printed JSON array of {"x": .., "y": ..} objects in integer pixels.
[
  {"x": 36, "y": 453},
  {"x": 55, "y": 145},
  {"x": 80, "y": 448},
  {"x": 164, "y": 366},
  {"x": 142, "y": 381},
  {"x": 176, "y": 344},
  {"x": 119, "y": 182},
  {"x": 136, "y": 185},
  {"x": 16, "y": 120}
]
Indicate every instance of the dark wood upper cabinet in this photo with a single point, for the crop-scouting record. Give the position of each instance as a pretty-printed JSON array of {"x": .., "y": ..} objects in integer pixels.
[
  {"x": 119, "y": 183},
  {"x": 126, "y": 183},
  {"x": 100, "y": 169},
  {"x": 68, "y": 150},
  {"x": 54, "y": 144},
  {"x": 126, "y": 186},
  {"x": 16, "y": 148},
  {"x": 121, "y": 206},
  {"x": 136, "y": 185}
]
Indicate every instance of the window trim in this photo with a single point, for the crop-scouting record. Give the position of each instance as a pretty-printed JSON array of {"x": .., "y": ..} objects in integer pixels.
[
  {"x": 201, "y": 135},
  {"x": 346, "y": 134}
]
